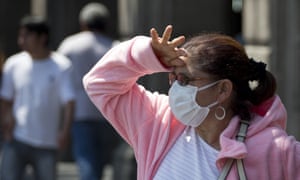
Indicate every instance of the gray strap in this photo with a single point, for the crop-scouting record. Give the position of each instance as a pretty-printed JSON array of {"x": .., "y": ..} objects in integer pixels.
[
  {"x": 240, "y": 137},
  {"x": 226, "y": 169},
  {"x": 241, "y": 170}
]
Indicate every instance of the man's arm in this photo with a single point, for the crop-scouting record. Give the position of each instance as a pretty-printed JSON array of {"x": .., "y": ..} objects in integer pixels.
[
  {"x": 7, "y": 120},
  {"x": 68, "y": 117}
]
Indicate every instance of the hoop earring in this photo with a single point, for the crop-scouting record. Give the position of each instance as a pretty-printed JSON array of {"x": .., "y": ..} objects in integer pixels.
[{"x": 220, "y": 118}]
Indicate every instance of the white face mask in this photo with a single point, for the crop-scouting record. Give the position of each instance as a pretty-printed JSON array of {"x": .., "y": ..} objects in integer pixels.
[{"x": 183, "y": 104}]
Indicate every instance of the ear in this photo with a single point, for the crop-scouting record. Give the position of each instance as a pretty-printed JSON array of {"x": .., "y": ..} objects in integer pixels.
[{"x": 224, "y": 90}]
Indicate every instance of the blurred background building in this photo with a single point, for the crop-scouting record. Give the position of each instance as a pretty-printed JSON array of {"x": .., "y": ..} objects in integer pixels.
[{"x": 269, "y": 29}]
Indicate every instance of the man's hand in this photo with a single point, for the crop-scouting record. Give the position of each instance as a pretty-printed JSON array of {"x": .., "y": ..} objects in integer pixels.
[
  {"x": 63, "y": 140},
  {"x": 7, "y": 119}
]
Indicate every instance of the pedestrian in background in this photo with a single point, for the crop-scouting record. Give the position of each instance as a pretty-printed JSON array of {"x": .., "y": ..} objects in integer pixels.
[
  {"x": 36, "y": 90},
  {"x": 92, "y": 136}
]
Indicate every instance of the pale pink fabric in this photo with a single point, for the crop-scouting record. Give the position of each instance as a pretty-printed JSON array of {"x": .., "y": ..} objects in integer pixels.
[{"x": 145, "y": 121}]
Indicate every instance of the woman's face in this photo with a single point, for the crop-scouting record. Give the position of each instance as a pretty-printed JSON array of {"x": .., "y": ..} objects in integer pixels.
[{"x": 188, "y": 74}]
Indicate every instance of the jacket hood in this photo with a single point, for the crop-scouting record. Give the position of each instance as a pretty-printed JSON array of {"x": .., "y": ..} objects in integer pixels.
[{"x": 270, "y": 113}]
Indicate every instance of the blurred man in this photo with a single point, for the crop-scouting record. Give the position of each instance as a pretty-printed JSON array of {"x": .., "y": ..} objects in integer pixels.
[
  {"x": 93, "y": 138},
  {"x": 36, "y": 86}
]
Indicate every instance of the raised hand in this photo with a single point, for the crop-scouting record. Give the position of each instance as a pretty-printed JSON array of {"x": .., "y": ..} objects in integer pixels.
[{"x": 167, "y": 51}]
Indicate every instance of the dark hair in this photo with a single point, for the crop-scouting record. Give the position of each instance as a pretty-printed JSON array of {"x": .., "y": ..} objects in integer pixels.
[
  {"x": 95, "y": 16},
  {"x": 224, "y": 58},
  {"x": 37, "y": 25}
]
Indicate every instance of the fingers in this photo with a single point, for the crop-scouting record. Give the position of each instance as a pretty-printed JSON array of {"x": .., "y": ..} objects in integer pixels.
[
  {"x": 177, "y": 62},
  {"x": 154, "y": 35},
  {"x": 167, "y": 34},
  {"x": 182, "y": 52},
  {"x": 167, "y": 50},
  {"x": 166, "y": 37},
  {"x": 178, "y": 41}
]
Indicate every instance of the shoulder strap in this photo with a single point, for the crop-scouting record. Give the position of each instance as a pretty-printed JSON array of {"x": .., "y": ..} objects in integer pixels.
[
  {"x": 240, "y": 166},
  {"x": 241, "y": 169}
]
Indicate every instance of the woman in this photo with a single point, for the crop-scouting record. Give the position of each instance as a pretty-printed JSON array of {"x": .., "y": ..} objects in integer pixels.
[{"x": 191, "y": 133}]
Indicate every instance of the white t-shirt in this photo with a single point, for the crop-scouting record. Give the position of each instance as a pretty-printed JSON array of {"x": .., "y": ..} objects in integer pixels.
[
  {"x": 38, "y": 89},
  {"x": 191, "y": 158},
  {"x": 84, "y": 50}
]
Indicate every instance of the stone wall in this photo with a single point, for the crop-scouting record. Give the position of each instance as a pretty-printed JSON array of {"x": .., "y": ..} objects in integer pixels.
[{"x": 285, "y": 47}]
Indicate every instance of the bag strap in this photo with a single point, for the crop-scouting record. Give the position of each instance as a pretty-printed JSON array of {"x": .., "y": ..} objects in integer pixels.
[
  {"x": 241, "y": 169},
  {"x": 240, "y": 166}
]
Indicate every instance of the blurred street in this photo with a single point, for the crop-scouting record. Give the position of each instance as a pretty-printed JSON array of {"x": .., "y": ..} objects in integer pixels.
[
  {"x": 68, "y": 171},
  {"x": 123, "y": 161}
]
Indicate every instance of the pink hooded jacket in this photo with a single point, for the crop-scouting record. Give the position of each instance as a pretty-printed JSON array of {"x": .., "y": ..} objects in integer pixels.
[{"x": 145, "y": 121}]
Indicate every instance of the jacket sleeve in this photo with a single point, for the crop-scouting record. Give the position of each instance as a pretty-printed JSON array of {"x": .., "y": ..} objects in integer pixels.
[
  {"x": 291, "y": 154},
  {"x": 111, "y": 86}
]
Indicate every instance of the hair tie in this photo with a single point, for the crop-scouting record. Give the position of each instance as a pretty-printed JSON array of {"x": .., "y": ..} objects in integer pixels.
[{"x": 257, "y": 69}]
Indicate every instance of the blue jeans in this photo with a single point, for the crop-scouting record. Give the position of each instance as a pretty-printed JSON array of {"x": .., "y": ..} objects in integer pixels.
[
  {"x": 93, "y": 143},
  {"x": 17, "y": 155}
]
